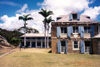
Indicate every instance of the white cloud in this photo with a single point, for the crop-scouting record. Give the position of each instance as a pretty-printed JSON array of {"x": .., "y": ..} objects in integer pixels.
[
  {"x": 22, "y": 9},
  {"x": 10, "y": 3},
  {"x": 59, "y": 7},
  {"x": 11, "y": 23},
  {"x": 92, "y": 12}
]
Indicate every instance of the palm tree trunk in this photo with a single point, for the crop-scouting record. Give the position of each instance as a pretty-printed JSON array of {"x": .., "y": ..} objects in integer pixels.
[
  {"x": 45, "y": 34},
  {"x": 48, "y": 36},
  {"x": 24, "y": 34}
]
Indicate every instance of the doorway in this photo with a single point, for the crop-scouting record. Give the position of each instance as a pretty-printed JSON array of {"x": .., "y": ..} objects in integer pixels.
[
  {"x": 87, "y": 47},
  {"x": 62, "y": 46}
]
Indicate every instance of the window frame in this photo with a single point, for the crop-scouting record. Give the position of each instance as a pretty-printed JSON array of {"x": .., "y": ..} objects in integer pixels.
[
  {"x": 87, "y": 29},
  {"x": 75, "y": 16},
  {"x": 75, "y": 29},
  {"x": 74, "y": 44},
  {"x": 63, "y": 30}
]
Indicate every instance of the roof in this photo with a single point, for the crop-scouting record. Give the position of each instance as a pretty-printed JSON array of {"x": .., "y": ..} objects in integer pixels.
[
  {"x": 34, "y": 35},
  {"x": 97, "y": 36},
  {"x": 83, "y": 18}
]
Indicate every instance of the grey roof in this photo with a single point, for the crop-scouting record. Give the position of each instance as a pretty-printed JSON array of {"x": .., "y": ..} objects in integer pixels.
[
  {"x": 83, "y": 18},
  {"x": 34, "y": 35}
]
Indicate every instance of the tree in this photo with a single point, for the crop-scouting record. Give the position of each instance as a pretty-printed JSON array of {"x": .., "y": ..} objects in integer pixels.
[
  {"x": 48, "y": 20},
  {"x": 25, "y": 18},
  {"x": 32, "y": 30},
  {"x": 28, "y": 30},
  {"x": 15, "y": 41},
  {"x": 45, "y": 14}
]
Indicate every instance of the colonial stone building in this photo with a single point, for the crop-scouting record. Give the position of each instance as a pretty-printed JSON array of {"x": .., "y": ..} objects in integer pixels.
[
  {"x": 74, "y": 33},
  {"x": 34, "y": 40}
]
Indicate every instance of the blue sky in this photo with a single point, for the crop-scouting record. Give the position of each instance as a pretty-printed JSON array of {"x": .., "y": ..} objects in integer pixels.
[{"x": 11, "y": 9}]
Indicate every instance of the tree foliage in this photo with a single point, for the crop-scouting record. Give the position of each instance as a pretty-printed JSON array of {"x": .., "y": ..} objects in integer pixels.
[
  {"x": 10, "y": 35},
  {"x": 25, "y": 18}
]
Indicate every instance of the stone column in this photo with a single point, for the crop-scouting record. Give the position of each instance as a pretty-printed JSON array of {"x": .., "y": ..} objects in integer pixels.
[
  {"x": 48, "y": 44},
  {"x": 24, "y": 42},
  {"x": 30, "y": 44},
  {"x": 36, "y": 43},
  {"x": 41, "y": 43}
]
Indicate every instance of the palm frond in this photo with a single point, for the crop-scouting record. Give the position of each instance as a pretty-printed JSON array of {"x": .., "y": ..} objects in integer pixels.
[
  {"x": 45, "y": 13},
  {"x": 50, "y": 12},
  {"x": 21, "y": 18},
  {"x": 29, "y": 18},
  {"x": 48, "y": 20},
  {"x": 27, "y": 15}
]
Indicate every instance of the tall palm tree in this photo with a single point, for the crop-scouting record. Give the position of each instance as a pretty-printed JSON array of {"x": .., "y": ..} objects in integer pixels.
[
  {"x": 25, "y": 18},
  {"x": 48, "y": 20},
  {"x": 45, "y": 14}
]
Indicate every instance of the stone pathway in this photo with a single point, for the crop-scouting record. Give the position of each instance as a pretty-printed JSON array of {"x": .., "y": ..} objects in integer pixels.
[{"x": 11, "y": 51}]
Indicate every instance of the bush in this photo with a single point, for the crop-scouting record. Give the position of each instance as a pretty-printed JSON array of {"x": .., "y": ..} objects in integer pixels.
[{"x": 15, "y": 41}]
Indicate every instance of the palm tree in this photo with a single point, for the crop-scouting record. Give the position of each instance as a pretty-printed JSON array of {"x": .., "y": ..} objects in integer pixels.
[
  {"x": 45, "y": 14},
  {"x": 25, "y": 18},
  {"x": 48, "y": 20}
]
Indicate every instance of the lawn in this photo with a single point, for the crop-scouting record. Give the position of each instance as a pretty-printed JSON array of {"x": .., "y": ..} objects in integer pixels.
[
  {"x": 40, "y": 58},
  {"x": 2, "y": 51}
]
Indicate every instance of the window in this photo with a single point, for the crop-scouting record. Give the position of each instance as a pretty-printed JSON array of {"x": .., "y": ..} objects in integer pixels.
[
  {"x": 58, "y": 18},
  {"x": 87, "y": 29},
  {"x": 75, "y": 29},
  {"x": 74, "y": 16},
  {"x": 63, "y": 29},
  {"x": 75, "y": 45}
]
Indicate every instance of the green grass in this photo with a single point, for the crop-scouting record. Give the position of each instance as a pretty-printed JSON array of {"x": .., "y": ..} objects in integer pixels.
[{"x": 33, "y": 59}]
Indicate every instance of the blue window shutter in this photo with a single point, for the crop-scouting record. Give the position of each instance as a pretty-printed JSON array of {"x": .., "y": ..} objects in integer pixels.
[
  {"x": 78, "y": 16},
  {"x": 81, "y": 31},
  {"x": 58, "y": 32},
  {"x": 58, "y": 46},
  {"x": 69, "y": 31},
  {"x": 65, "y": 46},
  {"x": 70, "y": 17},
  {"x": 82, "y": 46},
  {"x": 92, "y": 31}
]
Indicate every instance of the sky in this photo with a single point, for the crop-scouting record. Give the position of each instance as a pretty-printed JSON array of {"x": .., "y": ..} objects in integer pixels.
[{"x": 10, "y": 10}]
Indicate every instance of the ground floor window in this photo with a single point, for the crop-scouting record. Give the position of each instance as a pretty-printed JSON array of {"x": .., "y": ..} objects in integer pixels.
[{"x": 75, "y": 45}]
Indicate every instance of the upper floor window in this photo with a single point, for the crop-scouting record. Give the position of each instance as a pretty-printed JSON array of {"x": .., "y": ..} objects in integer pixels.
[
  {"x": 63, "y": 29},
  {"x": 74, "y": 16},
  {"x": 58, "y": 18},
  {"x": 75, "y": 29},
  {"x": 87, "y": 29}
]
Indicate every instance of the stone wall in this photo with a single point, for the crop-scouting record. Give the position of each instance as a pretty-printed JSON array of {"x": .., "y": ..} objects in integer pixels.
[
  {"x": 96, "y": 46},
  {"x": 70, "y": 41}
]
